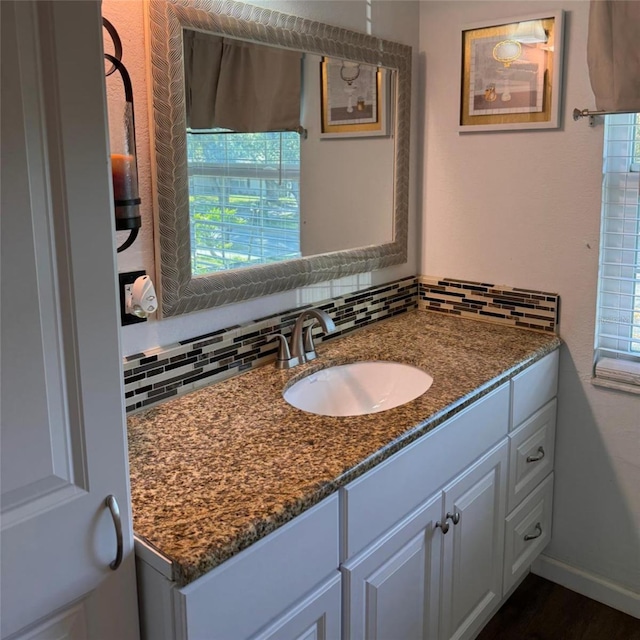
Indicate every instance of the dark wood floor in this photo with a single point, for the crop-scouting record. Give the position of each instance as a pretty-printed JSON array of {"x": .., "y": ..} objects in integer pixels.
[{"x": 541, "y": 610}]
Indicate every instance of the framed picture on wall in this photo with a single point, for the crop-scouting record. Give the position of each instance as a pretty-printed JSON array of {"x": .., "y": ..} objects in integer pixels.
[
  {"x": 354, "y": 99},
  {"x": 511, "y": 73}
]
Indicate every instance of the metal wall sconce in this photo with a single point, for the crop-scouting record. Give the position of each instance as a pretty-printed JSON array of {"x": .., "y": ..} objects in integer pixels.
[{"x": 124, "y": 164}]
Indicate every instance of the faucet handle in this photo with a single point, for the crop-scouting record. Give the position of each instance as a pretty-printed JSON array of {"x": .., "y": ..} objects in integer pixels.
[
  {"x": 309, "y": 347},
  {"x": 284, "y": 359}
]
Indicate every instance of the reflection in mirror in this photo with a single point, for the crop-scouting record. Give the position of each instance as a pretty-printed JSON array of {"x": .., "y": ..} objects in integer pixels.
[
  {"x": 244, "y": 112},
  {"x": 244, "y": 198},
  {"x": 248, "y": 206},
  {"x": 242, "y": 104}
]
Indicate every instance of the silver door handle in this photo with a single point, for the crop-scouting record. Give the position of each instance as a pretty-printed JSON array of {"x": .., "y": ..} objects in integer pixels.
[
  {"x": 443, "y": 525},
  {"x": 538, "y": 456},
  {"x": 454, "y": 517},
  {"x": 112, "y": 503},
  {"x": 533, "y": 536}
]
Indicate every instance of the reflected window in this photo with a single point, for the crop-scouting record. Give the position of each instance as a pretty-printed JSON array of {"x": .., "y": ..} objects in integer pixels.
[{"x": 244, "y": 198}]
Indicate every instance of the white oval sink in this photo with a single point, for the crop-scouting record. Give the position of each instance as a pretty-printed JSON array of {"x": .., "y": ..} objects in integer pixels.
[{"x": 358, "y": 388}]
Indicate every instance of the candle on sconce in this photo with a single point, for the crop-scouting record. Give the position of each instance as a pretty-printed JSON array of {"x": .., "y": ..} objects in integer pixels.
[
  {"x": 124, "y": 176},
  {"x": 123, "y": 170}
]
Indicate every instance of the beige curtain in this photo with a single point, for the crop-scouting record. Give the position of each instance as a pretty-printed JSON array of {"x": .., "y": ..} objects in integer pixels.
[
  {"x": 613, "y": 54},
  {"x": 202, "y": 58},
  {"x": 239, "y": 85}
]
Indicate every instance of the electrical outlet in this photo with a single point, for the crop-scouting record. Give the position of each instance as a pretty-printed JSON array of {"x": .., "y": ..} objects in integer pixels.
[{"x": 126, "y": 282}]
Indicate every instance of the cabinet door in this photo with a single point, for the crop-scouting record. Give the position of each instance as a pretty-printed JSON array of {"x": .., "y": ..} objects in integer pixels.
[
  {"x": 473, "y": 548},
  {"x": 316, "y": 617},
  {"x": 392, "y": 587}
]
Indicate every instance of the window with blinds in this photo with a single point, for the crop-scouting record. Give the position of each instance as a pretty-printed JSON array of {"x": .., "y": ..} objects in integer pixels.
[
  {"x": 244, "y": 198},
  {"x": 618, "y": 322}
]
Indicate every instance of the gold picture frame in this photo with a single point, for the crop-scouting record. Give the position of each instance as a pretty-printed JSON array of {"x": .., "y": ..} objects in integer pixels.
[
  {"x": 511, "y": 73},
  {"x": 354, "y": 99}
]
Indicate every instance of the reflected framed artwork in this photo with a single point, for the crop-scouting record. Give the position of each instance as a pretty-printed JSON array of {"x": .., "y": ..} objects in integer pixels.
[
  {"x": 511, "y": 74},
  {"x": 354, "y": 99}
]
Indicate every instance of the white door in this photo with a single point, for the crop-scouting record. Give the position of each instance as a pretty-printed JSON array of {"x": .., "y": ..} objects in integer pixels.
[
  {"x": 474, "y": 505},
  {"x": 392, "y": 587},
  {"x": 63, "y": 438}
]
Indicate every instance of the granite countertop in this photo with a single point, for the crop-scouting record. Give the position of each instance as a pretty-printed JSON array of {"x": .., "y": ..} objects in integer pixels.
[{"x": 217, "y": 469}]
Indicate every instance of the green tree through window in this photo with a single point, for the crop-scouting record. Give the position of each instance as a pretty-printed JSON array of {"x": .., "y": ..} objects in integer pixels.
[{"x": 244, "y": 198}]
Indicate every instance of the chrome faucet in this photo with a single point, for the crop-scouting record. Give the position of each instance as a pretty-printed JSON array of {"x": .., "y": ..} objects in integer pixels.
[{"x": 301, "y": 349}]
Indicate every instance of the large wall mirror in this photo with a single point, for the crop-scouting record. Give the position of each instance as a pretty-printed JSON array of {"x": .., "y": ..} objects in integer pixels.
[{"x": 326, "y": 199}]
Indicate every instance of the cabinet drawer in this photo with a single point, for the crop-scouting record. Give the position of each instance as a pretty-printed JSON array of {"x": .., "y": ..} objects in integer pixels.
[
  {"x": 533, "y": 388},
  {"x": 531, "y": 453},
  {"x": 528, "y": 530},
  {"x": 251, "y": 589},
  {"x": 380, "y": 498}
]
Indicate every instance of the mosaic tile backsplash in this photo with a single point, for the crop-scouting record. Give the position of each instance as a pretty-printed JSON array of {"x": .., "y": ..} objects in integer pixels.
[
  {"x": 512, "y": 306},
  {"x": 165, "y": 372}
]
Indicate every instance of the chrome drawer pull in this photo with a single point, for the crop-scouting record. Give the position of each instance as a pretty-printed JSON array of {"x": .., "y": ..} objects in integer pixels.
[
  {"x": 535, "y": 535},
  {"x": 443, "y": 525},
  {"x": 112, "y": 503},
  {"x": 537, "y": 457},
  {"x": 454, "y": 517}
]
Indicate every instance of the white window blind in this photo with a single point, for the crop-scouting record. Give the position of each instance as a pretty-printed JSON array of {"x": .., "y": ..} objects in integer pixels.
[
  {"x": 618, "y": 321},
  {"x": 244, "y": 195}
]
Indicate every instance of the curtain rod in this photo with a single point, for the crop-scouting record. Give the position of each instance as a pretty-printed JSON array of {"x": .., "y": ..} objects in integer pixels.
[{"x": 587, "y": 113}]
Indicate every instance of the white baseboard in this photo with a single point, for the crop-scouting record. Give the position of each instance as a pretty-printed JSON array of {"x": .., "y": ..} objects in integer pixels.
[{"x": 588, "y": 584}]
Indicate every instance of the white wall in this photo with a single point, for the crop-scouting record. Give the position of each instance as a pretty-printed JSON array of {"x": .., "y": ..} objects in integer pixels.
[
  {"x": 523, "y": 209},
  {"x": 392, "y": 19},
  {"x": 346, "y": 183}
]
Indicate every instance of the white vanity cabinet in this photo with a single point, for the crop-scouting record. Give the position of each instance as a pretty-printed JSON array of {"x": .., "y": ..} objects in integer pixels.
[
  {"x": 406, "y": 573},
  {"x": 426, "y": 545},
  {"x": 286, "y": 586},
  {"x": 434, "y": 575},
  {"x": 437, "y": 573}
]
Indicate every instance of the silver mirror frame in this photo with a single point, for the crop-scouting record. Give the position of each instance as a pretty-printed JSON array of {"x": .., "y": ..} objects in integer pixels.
[{"x": 180, "y": 291}]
